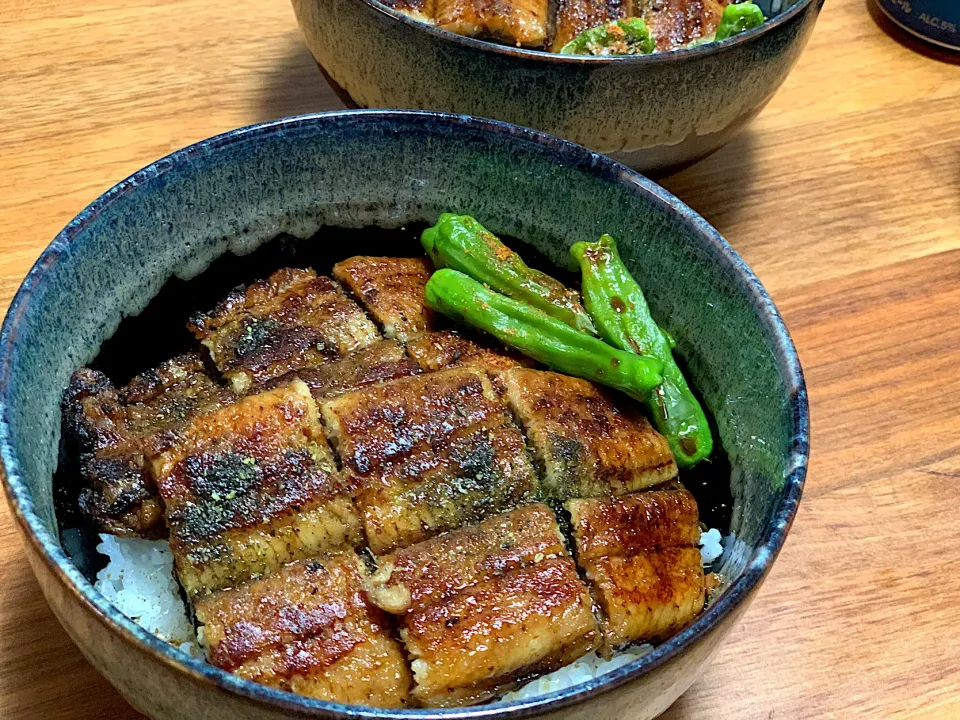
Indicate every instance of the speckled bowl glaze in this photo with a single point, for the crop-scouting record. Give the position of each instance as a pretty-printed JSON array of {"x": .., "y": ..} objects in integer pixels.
[
  {"x": 654, "y": 112},
  {"x": 353, "y": 169}
]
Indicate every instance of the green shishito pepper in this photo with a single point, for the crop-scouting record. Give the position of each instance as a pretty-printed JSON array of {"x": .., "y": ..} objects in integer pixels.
[
  {"x": 739, "y": 18},
  {"x": 544, "y": 338},
  {"x": 461, "y": 243},
  {"x": 620, "y": 37},
  {"x": 618, "y": 308},
  {"x": 736, "y": 19}
]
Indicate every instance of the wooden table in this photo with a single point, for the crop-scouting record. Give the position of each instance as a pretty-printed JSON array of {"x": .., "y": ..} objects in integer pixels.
[{"x": 844, "y": 196}]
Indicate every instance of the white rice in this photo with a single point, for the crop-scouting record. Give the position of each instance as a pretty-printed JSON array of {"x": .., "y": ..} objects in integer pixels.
[
  {"x": 579, "y": 671},
  {"x": 138, "y": 580},
  {"x": 711, "y": 547}
]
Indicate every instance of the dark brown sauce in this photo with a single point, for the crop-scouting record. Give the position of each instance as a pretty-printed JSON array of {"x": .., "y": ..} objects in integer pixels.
[{"x": 159, "y": 332}]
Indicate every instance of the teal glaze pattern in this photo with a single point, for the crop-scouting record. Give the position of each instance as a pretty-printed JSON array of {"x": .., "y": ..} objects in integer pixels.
[
  {"x": 651, "y": 112},
  {"x": 354, "y": 169}
]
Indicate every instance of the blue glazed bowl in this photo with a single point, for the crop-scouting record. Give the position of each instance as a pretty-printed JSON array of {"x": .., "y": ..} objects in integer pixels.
[
  {"x": 653, "y": 112},
  {"x": 356, "y": 169}
]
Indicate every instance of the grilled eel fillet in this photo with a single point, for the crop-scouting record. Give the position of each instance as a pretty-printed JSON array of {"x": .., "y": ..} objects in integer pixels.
[
  {"x": 484, "y": 606},
  {"x": 308, "y": 629},
  {"x": 392, "y": 291},
  {"x": 114, "y": 430},
  {"x": 250, "y": 487},
  {"x": 673, "y": 23},
  {"x": 292, "y": 320},
  {"x": 427, "y": 454},
  {"x": 450, "y": 348},
  {"x": 422, "y": 10},
  {"x": 383, "y": 360},
  {"x": 676, "y": 23},
  {"x": 517, "y": 22},
  {"x": 639, "y": 553},
  {"x": 585, "y": 444},
  {"x": 575, "y": 16}
]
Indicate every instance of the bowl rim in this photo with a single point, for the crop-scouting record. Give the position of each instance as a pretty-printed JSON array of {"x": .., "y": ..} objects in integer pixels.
[
  {"x": 49, "y": 551},
  {"x": 529, "y": 54}
]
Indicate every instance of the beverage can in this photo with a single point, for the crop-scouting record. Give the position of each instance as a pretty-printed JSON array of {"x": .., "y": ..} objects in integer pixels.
[{"x": 936, "y": 21}]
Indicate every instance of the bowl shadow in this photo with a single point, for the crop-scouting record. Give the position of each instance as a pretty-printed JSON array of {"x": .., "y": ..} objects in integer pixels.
[
  {"x": 680, "y": 710},
  {"x": 719, "y": 186},
  {"x": 295, "y": 85}
]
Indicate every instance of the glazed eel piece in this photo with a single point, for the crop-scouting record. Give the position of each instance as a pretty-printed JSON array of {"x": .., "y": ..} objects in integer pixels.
[
  {"x": 309, "y": 629},
  {"x": 392, "y": 291},
  {"x": 586, "y": 441},
  {"x": 484, "y": 606},
  {"x": 252, "y": 486},
  {"x": 428, "y": 453},
  {"x": 112, "y": 431},
  {"x": 292, "y": 320},
  {"x": 639, "y": 552},
  {"x": 298, "y": 324},
  {"x": 516, "y": 22},
  {"x": 422, "y": 10},
  {"x": 676, "y": 23}
]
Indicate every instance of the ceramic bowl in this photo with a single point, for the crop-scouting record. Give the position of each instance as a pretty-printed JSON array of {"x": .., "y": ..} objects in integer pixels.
[
  {"x": 654, "y": 112},
  {"x": 355, "y": 169}
]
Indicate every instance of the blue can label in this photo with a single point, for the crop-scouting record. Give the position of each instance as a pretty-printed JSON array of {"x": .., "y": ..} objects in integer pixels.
[{"x": 936, "y": 20}]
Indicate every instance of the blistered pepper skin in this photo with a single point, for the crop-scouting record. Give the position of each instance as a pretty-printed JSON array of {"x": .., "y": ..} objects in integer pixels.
[
  {"x": 616, "y": 303},
  {"x": 540, "y": 336},
  {"x": 461, "y": 243},
  {"x": 739, "y": 18}
]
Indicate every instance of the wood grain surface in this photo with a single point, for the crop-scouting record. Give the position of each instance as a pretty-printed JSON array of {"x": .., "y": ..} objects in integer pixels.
[{"x": 844, "y": 196}]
